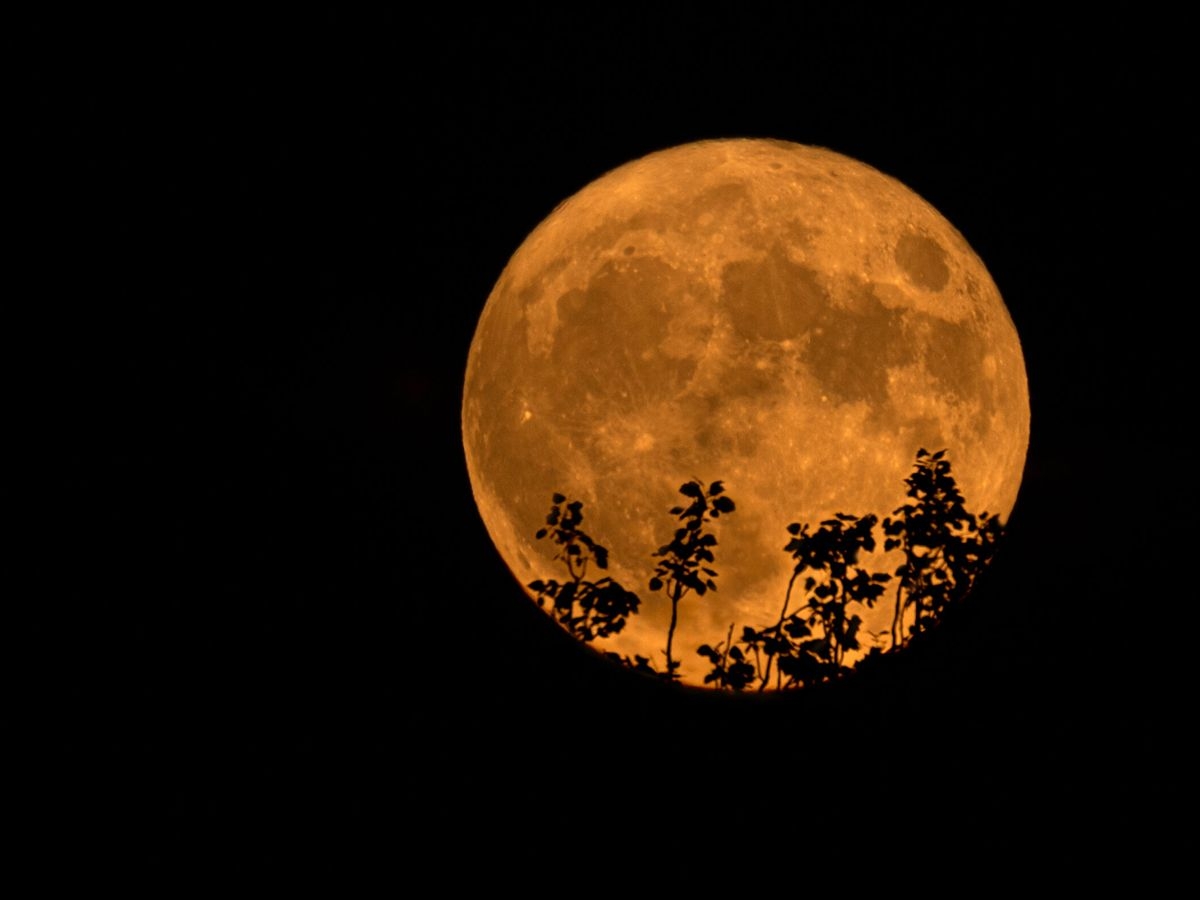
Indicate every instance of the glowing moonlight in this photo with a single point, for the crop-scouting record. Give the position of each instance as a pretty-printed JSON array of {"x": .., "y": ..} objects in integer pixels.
[{"x": 776, "y": 316}]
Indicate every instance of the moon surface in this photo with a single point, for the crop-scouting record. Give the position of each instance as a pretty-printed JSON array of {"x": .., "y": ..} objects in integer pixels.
[{"x": 776, "y": 316}]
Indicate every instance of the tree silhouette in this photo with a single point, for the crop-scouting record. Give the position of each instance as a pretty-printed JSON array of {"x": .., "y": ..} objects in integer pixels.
[
  {"x": 836, "y": 588},
  {"x": 945, "y": 546},
  {"x": 732, "y": 668},
  {"x": 681, "y": 568},
  {"x": 587, "y": 609},
  {"x": 810, "y": 643}
]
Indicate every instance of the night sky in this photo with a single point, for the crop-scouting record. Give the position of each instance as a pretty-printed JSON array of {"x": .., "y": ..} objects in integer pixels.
[{"x": 269, "y": 607}]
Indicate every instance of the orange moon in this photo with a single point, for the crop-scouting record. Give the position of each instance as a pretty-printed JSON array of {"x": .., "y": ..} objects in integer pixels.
[{"x": 776, "y": 316}]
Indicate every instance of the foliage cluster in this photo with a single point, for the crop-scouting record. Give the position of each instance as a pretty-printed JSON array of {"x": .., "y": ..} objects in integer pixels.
[
  {"x": 817, "y": 633},
  {"x": 587, "y": 609}
]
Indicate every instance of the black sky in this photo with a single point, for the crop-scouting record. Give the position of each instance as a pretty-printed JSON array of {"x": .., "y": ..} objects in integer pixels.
[{"x": 274, "y": 605}]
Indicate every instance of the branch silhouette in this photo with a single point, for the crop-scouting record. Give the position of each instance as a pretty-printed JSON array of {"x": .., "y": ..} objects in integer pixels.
[
  {"x": 945, "y": 546},
  {"x": 811, "y": 643},
  {"x": 587, "y": 609},
  {"x": 816, "y": 636},
  {"x": 681, "y": 568}
]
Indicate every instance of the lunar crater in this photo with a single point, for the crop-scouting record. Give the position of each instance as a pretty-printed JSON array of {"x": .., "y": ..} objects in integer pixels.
[{"x": 923, "y": 261}]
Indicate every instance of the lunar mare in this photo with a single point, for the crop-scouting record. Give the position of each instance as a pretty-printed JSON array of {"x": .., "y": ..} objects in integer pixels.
[{"x": 777, "y": 316}]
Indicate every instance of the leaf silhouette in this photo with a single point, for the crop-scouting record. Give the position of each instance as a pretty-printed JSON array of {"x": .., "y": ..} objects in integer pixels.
[
  {"x": 589, "y": 610},
  {"x": 681, "y": 561},
  {"x": 820, "y": 623}
]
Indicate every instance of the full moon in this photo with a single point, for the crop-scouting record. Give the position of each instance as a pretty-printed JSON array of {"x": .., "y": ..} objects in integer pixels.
[{"x": 774, "y": 316}]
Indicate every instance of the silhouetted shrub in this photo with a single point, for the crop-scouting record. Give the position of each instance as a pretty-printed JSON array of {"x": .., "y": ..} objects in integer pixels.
[{"x": 588, "y": 609}]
